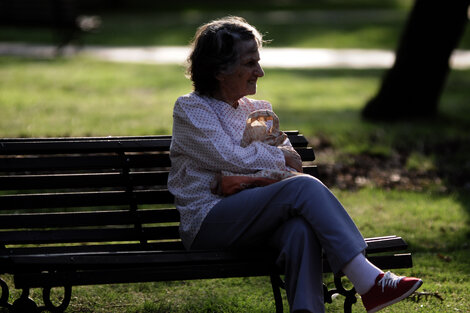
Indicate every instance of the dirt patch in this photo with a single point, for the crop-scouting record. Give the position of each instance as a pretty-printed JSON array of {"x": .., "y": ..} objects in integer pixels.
[
  {"x": 350, "y": 172},
  {"x": 389, "y": 173}
]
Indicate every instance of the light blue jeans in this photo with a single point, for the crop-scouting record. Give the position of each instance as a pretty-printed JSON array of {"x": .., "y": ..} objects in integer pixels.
[{"x": 298, "y": 216}]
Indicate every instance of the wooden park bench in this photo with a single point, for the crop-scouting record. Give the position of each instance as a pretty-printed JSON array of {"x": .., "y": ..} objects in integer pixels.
[{"x": 85, "y": 211}]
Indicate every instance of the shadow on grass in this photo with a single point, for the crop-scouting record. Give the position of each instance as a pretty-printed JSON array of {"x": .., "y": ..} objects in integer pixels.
[{"x": 444, "y": 142}]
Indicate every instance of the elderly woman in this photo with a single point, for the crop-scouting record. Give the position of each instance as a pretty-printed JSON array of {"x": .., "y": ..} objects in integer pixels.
[{"x": 298, "y": 216}]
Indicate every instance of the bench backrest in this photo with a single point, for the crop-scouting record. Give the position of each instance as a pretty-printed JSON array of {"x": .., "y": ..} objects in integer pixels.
[{"x": 81, "y": 194}]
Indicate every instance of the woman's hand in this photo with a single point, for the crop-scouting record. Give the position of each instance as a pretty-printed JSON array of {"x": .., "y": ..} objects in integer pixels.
[{"x": 292, "y": 158}]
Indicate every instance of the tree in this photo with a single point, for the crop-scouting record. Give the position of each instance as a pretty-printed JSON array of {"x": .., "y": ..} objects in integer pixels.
[{"x": 412, "y": 87}]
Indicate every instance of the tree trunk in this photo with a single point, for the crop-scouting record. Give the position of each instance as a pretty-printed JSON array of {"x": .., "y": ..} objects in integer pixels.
[{"x": 412, "y": 87}]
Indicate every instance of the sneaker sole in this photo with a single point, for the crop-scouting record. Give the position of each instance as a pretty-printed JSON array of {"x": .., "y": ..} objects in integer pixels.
[{"x": 403, "y": 296}]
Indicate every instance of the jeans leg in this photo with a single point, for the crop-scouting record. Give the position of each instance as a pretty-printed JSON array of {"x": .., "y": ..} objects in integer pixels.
[
  {"x": 272, "y": 215},
  {"x": 251, "y": 217},
  {"x": 300, "y": 258}
]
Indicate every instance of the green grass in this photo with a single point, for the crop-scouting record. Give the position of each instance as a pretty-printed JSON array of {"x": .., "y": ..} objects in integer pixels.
[{"x": 85, "y": 97}]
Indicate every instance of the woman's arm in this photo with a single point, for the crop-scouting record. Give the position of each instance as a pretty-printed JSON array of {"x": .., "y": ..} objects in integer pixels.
[{"x": 198, "y": 135}]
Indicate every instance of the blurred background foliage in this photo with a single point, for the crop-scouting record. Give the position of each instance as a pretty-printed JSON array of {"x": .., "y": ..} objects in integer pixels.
[{"x": 299, "y": 23}]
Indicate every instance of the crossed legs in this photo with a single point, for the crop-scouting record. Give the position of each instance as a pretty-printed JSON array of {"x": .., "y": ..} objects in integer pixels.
[{"x": 298, "y": 216}]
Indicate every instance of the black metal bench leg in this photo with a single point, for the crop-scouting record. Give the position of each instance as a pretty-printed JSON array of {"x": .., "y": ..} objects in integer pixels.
[
  {"x": 5, "y": 295},
  {"x": 46, "y": 296},
  {"x": 350, "y": 295},
  {"x": 24, "y": 304},
  {"x": 277, "y": 284},
  {"x": 327, "y": 294}
]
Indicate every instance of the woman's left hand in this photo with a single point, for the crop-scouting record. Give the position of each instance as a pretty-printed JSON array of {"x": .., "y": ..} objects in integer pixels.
[{"x": 293, "y": 159}]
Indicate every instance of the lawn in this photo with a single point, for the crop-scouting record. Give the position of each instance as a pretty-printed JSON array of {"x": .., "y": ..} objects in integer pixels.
[
  {"x": 419, "y": 190},
  {"x": 85, "y": 97}
]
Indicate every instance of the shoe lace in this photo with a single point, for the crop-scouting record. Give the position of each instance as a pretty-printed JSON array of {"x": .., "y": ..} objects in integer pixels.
[{"x": 389, "y": 280}]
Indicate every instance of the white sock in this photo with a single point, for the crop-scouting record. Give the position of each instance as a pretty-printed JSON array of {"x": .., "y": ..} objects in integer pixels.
[{"x": 361, "y": 273}]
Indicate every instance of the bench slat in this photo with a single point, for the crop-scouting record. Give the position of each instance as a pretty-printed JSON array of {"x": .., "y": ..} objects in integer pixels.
[
  {"x": 307, "y": 154},
  {"x": 95, "y": 218},
  {"x": 83, "y": 146},
  {"x": 89, "y": 235},
  {"x": 92, "y": 180},
  {"x": 403, "y": 260},
  {"x": 100, "y": 145},
  {"x": 72, "y": 145},
  {"x": 88, "y": 139},
  {"x": 383, "y": 244},
  {"x": 292, "y": 134},
  {"x": 87, "y": 180},
  {"x": 298, "y": 141},
  {"x": 394, "y": 245},
  {"x": 310, "y": 170},
  {"x": 145, "y": 258},
  {"x": 138, "y": 258},
  {"x": 84, "y": 162},
  {"x": 258, "y": 265},
  {"x": 142, "y": 274},
  {"x": 175, "y": 245},
  {"x": 84, "y": 199}
]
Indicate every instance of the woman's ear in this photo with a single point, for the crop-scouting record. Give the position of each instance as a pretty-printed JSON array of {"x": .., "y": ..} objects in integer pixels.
[{"x": 220, "y": 77}]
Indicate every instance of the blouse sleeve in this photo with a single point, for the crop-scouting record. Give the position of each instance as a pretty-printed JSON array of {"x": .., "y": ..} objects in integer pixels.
[{"x": 199, "y": 136}]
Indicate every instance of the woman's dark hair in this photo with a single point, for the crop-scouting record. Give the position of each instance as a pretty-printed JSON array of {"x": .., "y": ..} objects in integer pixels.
[{"x": 215, "y": 51}]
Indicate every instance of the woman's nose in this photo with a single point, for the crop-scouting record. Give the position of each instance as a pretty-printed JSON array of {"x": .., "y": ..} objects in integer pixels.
[{"x": 259, "y": 71}]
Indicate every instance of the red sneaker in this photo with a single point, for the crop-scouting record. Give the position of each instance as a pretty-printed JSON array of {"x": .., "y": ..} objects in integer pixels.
[{"x": 389, "y": 289}]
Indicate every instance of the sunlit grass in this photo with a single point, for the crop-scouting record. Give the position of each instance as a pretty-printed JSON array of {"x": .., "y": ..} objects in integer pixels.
[
  {"x": 429, "y": 222},
  {"x": 84, "y": 97},
  {"x": 76, "y": 97}
]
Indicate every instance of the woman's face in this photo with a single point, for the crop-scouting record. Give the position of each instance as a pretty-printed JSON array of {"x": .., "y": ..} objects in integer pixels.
[{"x": 242, "y": 80}]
